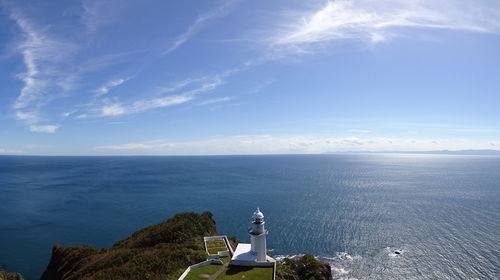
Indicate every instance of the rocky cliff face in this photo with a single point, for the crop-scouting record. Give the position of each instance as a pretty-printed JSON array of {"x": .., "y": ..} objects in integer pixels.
[
  {"x": 326, "y": 272},
  {"x": 305, "y": 267},
  {"x": 157, "y": 252}
]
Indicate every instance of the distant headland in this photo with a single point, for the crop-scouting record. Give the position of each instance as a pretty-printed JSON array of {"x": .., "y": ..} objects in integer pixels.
[{"x": 485, "y": 152}]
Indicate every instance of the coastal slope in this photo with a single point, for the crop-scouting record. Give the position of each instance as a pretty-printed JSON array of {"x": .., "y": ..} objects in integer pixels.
[{"x": 155, "y": 252}]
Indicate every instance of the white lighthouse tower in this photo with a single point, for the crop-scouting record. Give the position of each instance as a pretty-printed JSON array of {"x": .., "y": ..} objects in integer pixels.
[
  {"x": 258, "y": 236},
  {"x": 255, "y": 253}
]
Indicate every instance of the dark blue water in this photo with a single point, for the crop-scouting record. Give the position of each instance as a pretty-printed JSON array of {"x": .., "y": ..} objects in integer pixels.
[{"x": 441, "y": 212}]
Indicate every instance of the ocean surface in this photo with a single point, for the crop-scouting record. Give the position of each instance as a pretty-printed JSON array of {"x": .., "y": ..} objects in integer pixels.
[{"x": 441, "y": 212}]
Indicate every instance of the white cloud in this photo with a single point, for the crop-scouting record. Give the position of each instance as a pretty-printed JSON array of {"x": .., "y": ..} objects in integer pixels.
[
  {"x": 131, "y": 146},
  {"x": 216, "y": 100},
  {"x": 198, "y": 24},
  {"x": 268, "y": 144},
  {"x": 144, "y": 105},
  {"x": 82, "y": 116},
  {"x": 113, "y": 110},
  {"x": 46, "y": 76},
  {"x": 66, "y": 114},
  {"x": 28, "y": 117},
  {"x": 187, "y": 90},
  {"x": 147, "y": 104},
  {"x": 44, "y": 128},
  {"x": 50, "y": 70},
  {"x": 11, "y": 151},
  {"x": 104, "y": 89},
  {"x": 196, "y": 84},
  {"x": 43, "y": 57},
  {"x": 375, "y": 21}
]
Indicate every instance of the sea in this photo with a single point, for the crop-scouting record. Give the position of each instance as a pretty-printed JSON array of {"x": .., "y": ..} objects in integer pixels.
[{"x": 371, "y": 216}]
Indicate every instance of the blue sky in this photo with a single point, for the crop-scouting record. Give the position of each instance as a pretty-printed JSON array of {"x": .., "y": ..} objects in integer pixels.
[{"x": 104, "y": 77}]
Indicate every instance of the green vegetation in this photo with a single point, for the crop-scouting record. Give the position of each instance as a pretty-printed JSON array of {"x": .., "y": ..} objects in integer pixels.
[
  {"x": 232, "y": 273},
  {"x": 9, "y": 275},
  {"x": 160, "y": 251},
  {"x": 304, "y": 268},
  {"x": 203, "y": 272},
  {"x": 248, "y": 273}
]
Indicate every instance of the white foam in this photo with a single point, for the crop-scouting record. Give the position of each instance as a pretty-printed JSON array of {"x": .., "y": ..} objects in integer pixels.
[
  {"x": 344, "y": 256},
  {"x": 340, "y": 271},
  {"x": 395, "y": 253}
]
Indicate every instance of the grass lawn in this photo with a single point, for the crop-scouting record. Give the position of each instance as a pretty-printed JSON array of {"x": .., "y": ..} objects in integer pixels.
[
  {"x": 203, "y": 272},
  {"x": 247, "y": 273}
]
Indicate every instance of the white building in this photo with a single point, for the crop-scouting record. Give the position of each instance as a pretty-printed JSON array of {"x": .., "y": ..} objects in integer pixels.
[{"x": 255, "y": 253}]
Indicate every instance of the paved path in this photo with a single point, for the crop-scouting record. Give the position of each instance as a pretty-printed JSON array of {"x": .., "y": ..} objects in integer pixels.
[{"x": 216, "y": 274}]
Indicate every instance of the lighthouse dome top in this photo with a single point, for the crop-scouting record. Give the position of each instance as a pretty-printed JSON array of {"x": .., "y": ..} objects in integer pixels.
[{"x": 258, "y": 214}]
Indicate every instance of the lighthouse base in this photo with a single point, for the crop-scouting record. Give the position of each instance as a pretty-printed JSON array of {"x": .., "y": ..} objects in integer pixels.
[{"x": 243, "y": 256}]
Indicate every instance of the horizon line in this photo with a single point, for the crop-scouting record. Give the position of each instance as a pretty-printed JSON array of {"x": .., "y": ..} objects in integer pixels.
[{"x": 464, "y": 152}]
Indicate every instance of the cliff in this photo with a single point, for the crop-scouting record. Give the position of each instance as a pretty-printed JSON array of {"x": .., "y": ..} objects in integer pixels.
[
  {"x": 305, "y": 267},
  {"x": 160, "y": 251}
]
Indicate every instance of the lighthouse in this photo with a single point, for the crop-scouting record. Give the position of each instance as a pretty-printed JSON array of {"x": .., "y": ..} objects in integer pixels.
[
  {"x": 255, "y": 252},
  {"x": 258, "y": 235}
]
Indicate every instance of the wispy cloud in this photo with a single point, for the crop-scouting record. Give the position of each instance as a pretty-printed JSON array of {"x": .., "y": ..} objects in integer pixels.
[
  {"x": 174, "y": 94},
  {"x": 117, "y": 109},
  {"x": 43, "y": 56},
  {"x": 11, "y": 151},
  {"x": 113, "y": 110},
  {"x": 268, "y": 144},
  {"x": 375, "y": 21},
  {"x": 51, "y": 72},
  {"x": 262, "y": 86},
  {"x": 49, "y": 61},
  {"x": 28, "y": 117},
  {"x": 160, "y": 102},
  {"x": 198, "y": 24},
  {"x": 216, "y": 100},
  {"x": 45, "y": 60},
  {"x": 43, "y": 128},
  {"x": 97, "y": 13},
  {"x": 104, "y": 89}
]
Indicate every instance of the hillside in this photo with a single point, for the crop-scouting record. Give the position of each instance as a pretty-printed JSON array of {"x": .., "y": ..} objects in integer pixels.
[{"x": 155, "y": 252}]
